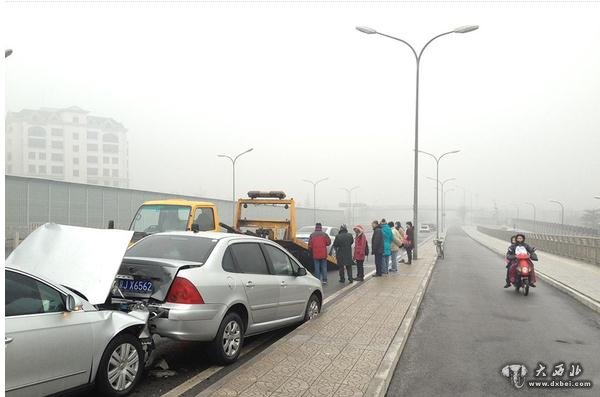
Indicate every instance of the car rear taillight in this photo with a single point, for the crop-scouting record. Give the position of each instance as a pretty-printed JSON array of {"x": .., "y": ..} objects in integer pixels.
[{"x": 183, "y": 291}]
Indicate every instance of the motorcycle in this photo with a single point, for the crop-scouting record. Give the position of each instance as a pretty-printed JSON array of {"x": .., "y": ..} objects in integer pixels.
[{"x": 524, "y": 268}]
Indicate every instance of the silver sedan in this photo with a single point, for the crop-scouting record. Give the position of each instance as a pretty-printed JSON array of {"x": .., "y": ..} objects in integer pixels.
[{"x": 217, "y": 287}]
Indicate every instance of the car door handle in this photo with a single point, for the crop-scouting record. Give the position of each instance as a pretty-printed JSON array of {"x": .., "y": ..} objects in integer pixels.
[
  {"x": 283, "y": 284},
  {"x": 250, "y": 284},
  {"x": 7, "y": 340}
]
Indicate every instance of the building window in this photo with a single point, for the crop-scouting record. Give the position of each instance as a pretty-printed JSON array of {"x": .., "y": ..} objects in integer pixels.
[
  {"x": 57, "y": 132},
  {"x": 32, "y": 169},
  {"x": 42, "y": 169},
  {"x": 92, "y": 171},
  {"x": 105, "y": 172},
  {"x": 92, "y": 147},
  {"x": 75, "y": 160},
  {"x": 56, "y": 157},
  {"x": 57, "y": 169},
  {"x": 115, "y": 173},
  {"x": 38, "y": 132},
  {"x": 42, "y": 156},
  {"x": 75, "y": 135},
  {"x": 57, "y": 145},
  {"x": 110, "y": 148},
  {"x": 92, "y": 159},
  {"x": 111, "y": 138},
  {"x": 115, "y": 160},
  {"x": 105, "y": 160},
  {"x": 76, "y": 148},
  {"x": 92, "y": 135},
  {"x": 31, "y": 156},
  {"x": 37, "y": 143},
  {"x": 75, "y": 172},
  {"x": 75, "y": 120}
]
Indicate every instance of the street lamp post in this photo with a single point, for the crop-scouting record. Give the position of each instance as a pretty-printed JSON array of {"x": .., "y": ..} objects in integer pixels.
[
  {"x": 517, "y": 207},
  {"x": 562, "y": 211},
  {"x": 437, "y": 177},
  {"x": 533, "y": 206},
  {"x": 315, "y": 196},
  {"x": 444, "y": 207},
  {"x": 462, "y": 29},
  {"x": 349, "y": 191},
  {"x": 233, "y": 160},
  {"x": 442, "y": 183}
]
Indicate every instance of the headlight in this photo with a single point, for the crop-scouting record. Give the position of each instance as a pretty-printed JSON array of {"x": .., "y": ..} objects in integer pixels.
[{"x": 525, "y": 270}]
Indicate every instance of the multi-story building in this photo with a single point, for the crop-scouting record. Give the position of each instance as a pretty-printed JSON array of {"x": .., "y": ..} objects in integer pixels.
[{"x": 67, "y": 145}]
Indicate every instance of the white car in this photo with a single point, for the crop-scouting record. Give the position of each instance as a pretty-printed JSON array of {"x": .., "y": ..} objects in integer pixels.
[
  {"x": 60, "y": 332},
  {"x": 425, "y": 229},
  {"x": 217, "y": 287},
  {"x": 305, "y": 231}
]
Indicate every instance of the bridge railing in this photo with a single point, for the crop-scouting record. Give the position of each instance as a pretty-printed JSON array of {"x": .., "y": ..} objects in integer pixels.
[{"x": 582, "y": 248}]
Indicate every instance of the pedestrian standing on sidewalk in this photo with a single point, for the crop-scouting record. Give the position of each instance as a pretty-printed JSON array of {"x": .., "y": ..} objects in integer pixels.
[
  {"x": 396, "y": 244},
  {"x": 409, "y": 239},
  {"x": 317, "y": 244},
  {"x": 377, "y": 247},
  {"x": 343, "y": 253},
  {"x": 388, "y": 237},
  {"x": 361, "y": 251},
  {"x": 402, "y": 235}
]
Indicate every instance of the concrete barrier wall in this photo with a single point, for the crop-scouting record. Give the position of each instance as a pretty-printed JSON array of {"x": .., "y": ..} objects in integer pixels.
[
  {"x": 582, "y": 248},
  {"x": 31, "y": 202},
  {"x": 554, "y": 228}
]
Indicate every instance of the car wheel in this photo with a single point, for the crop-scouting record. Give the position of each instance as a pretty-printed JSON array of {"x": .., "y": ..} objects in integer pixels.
[
  {"x": 229, "y": 340},
  {"x": 121, "y": 366},
  {"x": 313, "y": 308}
]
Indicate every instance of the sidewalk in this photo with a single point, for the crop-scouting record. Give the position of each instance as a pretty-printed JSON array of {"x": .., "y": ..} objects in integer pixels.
[
  {"x": 579, "y": 279},
  {"x": 350, "y": 349}
]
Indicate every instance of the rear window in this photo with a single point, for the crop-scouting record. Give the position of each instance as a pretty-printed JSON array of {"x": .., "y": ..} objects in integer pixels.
[{"x": 185, "y": 248}]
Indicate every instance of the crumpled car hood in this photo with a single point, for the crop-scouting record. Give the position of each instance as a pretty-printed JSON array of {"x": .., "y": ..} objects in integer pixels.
[{"x": 80, "y": 258}]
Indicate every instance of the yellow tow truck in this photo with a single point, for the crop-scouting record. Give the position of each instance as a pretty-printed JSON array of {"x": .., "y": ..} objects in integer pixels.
[{"x": 175, "y": 214}]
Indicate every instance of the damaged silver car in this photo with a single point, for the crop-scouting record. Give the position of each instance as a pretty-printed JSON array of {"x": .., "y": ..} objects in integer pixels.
[{"x": 62, "y": 330}]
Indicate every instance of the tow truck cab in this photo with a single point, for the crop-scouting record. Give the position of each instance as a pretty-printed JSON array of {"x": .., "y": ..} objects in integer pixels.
[{"x": 173, "y": 215}]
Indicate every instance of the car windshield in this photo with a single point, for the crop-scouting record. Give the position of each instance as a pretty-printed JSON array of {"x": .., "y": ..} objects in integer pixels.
[
  {"x": 161, "y": 218},
  {"x": 306, "y": 229},
  {"x": 184, "y": 248}
]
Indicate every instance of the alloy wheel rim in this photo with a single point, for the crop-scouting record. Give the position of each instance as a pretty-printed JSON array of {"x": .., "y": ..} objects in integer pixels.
[
  {"x": 123, "y": 366},
  {"x": 313, "y": 309},
  {"x": 232, "y": 336}
]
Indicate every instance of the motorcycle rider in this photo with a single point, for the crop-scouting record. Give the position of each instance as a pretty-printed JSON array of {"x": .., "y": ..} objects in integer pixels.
[
  {"x": 511, "y": 256},
  {"x": 513, "y": 241}
]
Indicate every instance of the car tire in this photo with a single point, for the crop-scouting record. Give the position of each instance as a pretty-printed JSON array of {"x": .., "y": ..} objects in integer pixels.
[
  {"x": 123, "y": 384},
  {"x": 313, "y": 308},
  {"x": 228, "y": 343}
]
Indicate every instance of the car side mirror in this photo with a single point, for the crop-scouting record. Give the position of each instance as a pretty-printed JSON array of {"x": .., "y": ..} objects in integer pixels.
[
  {"x": 74, "y": 304},
  {"x": 301, "y": 272}
]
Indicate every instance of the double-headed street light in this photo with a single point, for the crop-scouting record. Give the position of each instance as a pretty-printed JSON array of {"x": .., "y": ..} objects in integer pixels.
[
  {"x": 440, "y": 183},
  {"x": 233, "y": 160},
  {"x": 349, "y": 191},
  {"x": 315, "y": 195},
  {"x": 562, "y": 211},
  {"x": 437, "y": 177},
  {"x": 462, "y": 29}
]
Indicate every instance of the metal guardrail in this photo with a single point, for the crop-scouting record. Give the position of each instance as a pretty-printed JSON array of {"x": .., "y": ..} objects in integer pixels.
[{"x": 582, "y": 248}]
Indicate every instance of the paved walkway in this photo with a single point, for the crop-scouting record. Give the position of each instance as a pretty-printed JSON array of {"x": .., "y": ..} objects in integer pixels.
[
  {"x": 580, "y": 276},
  {"x": 349, "y": 350}
]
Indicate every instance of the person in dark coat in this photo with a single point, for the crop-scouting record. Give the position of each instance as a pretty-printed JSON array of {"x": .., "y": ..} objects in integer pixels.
[
  {"x": 377, "y": 248},
  {"x": 343, "y": 252},
  {"x": 408, "y": 244}
]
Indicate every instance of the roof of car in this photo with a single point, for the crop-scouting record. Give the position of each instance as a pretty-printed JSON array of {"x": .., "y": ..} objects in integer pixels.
[{"x": 211, "y": 235}]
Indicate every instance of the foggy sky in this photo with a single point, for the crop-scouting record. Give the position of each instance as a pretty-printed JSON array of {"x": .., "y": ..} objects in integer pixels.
[{"x": 315, "y": 98}]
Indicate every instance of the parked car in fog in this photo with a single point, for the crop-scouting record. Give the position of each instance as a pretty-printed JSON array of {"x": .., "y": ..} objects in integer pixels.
[
  {"x": 60, "y": 333},
  {"x": 217, "y": 287},
  {"x": 425, "y": 228},
  {"x": 304, "y": 233}
]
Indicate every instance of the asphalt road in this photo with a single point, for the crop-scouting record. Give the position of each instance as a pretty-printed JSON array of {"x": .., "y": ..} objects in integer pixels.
[{"x": 468, "y": 328}]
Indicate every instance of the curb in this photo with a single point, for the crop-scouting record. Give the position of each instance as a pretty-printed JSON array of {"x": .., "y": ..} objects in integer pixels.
[
  {"x": 378, "y": 386},
  {"x": 573, "y": 293}
]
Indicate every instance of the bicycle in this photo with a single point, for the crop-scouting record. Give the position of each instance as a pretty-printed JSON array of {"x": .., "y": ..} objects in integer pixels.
[{"x": 439, "y": 247}]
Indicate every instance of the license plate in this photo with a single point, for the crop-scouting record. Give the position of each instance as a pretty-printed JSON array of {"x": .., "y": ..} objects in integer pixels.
[{"x": 136, "y": 286}]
